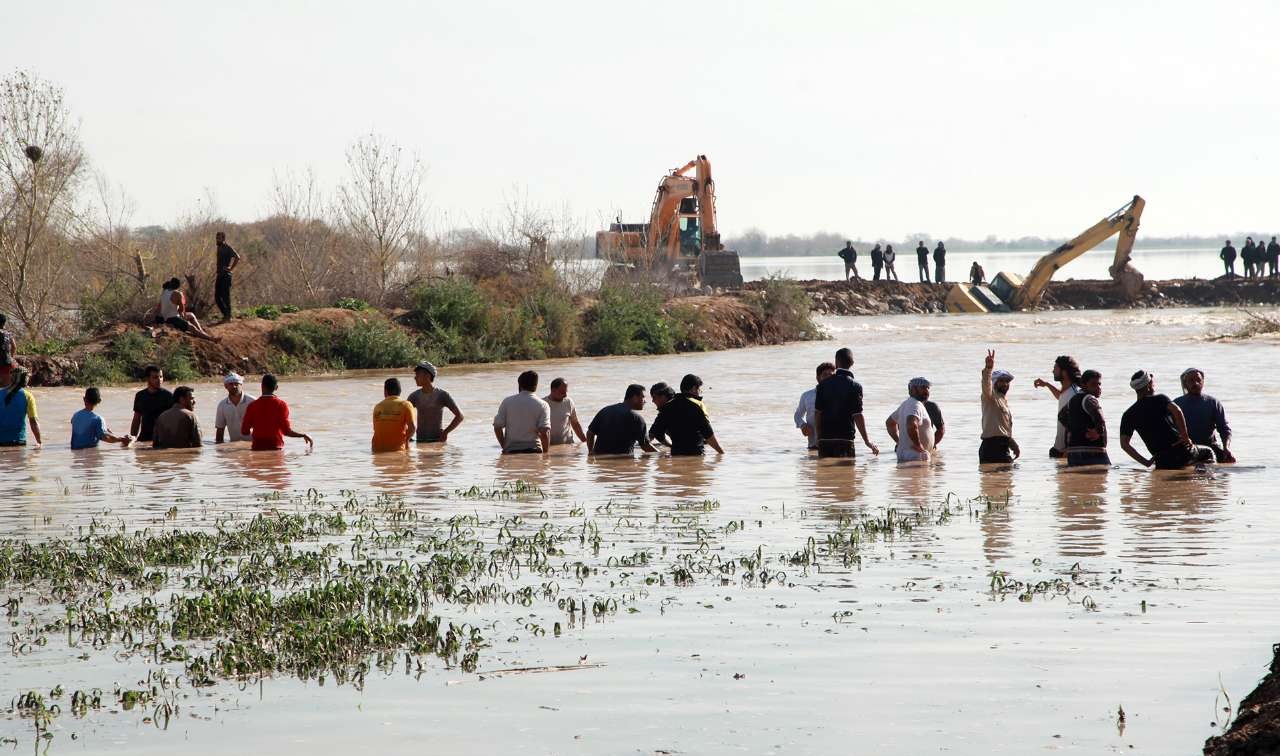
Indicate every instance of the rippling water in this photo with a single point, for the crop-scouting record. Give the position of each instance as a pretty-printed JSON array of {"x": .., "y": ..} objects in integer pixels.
[{"x": 909, "y": 654}]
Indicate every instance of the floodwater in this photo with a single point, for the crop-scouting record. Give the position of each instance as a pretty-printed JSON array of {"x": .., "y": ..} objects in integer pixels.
[
  {"x": 1159, "y": 264},
  {"x": 909, "y": 653}
]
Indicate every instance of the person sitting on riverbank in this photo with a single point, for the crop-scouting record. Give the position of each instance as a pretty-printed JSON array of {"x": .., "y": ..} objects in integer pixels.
[
  {"x": 18, "y": 411},
  {"x": 431, "y": 401},
  {"x": 172, "y": 311},
  {"x": 837, "y": 410},
  {"x": 1162, "y": 427},
  {"x": 393, "y": 425},
  {"x": 922, "y": 261},
  {"x": 8, "y": 351},
  {"x": 230, "y": 413},
  {"x": 1066, "y": 371},
  {"x": 178, "y": 427},
  {"x": 149, "y": 403},
  {"x": 1205, "y": 416},
  {"x": 618, "y": 428},
  {"x": 850, "y": 257},
  {"x": 940, "y": 263},
  {"x": 87, "y": 426},
  {"x": 1086, "y": 428},
  {"x": 1228, "y": 256},
  {"x": 1273, "y": 258},
  {"x": 890, "y": 258},
  {"x": 564, "y": 414},
  {"x": 997, "y": 444},
  {"x": 976, "y": 274},
  {"x": 523, "y": 422},
  {"x": 267, "y": 421},
  {"x": 877, "y": 262},
  {"x": 804, "y": 410},
  {"x": 682, "y": 423},
  {"x": 910, "y": 426}
]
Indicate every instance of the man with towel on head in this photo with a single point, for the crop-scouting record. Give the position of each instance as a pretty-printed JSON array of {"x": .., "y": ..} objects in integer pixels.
[
  {"x": 997, "y": 421},
  {"x": 1161, "y": 425}
]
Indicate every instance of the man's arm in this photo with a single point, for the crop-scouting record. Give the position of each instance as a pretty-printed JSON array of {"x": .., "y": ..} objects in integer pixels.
[
  {"x": 591, "y": 442},
  {"x": 891, "y": 425},
  {"x": 1180, "y": 422},
  {"x": 410, "y": 426},
  {"x": 714, "y": 444},
  {"x": 136, "y": 425},
  {"x": 455, "y": 422},
  {"x": 500, "y": 434},
  {"x": 577, "y": 427},
  {"x": 1132, "y": 452},
  {"x": 219, "y": 424},
  {"x": 1223, "y": 427},
  {"x": 1057, "y": 392},
  {"x": 544, "y": 436},
  {"x": 195, "y": 439},
  {"x": 938, "y": 432},
  {"x": 291, "y": 433},
  {"x": 913, "y": 433},
  {"x": 861, "y": 422},
  {"x": 35, "y": 430},
  {"x": 1013, "y": 446},
  {"x": 798, "y": 416}
]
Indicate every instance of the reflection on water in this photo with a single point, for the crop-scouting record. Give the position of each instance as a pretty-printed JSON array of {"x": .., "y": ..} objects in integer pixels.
[{"x": 1082, "y": 512}]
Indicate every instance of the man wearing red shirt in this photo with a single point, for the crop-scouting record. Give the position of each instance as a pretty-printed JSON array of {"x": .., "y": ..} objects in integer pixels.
[{"x": 269, "y": 423}]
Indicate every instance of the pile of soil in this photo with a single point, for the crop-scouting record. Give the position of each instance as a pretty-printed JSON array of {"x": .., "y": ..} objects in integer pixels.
[{"x": 1256, "y": 731}]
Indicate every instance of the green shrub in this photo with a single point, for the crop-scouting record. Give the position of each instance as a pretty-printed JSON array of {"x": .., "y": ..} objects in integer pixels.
[
  {"x": 98, "y": 370},
  {"x": 174, "y": 358},
  {"x": 305, "y": 339},
  {"x": 51, "y": 347},
  {"x": 787, "y": 306},
  {"x": 375, "y": 343},
  {"x": 351, "y": 303},
  {"x": 452, "y": 304},
  {"x": 264, "y": 312},
  {"x": 288, "y": 308},
  {"x": 629, "y": 320},
  {"x": 689, "y": 323},
  {"x": 131, "y": 351},
  {"x": 115, "y": 302}
]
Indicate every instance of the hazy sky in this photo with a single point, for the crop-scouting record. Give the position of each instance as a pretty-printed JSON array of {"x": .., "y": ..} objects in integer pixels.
[{"x": 870, "y": 119}]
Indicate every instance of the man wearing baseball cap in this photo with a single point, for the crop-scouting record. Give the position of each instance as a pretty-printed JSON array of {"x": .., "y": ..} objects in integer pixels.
[
  {"x": 231, "y": 410},
  {"x": 1161, "y": 425},
  {"x": 431, "y": 402},
  {"x": 997, "y": 420}
]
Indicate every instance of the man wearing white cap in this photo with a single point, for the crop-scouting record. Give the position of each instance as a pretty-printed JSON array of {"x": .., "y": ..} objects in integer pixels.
[
  {"x": 231, "y": 410},
  {"x": 910, "y": 426},
  {"x": 997, "y": 421},
  {"x": 1161, "y": 425}
]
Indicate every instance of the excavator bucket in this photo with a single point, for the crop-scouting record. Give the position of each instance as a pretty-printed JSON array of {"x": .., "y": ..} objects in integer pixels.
[{"x": 720, "y": 269}]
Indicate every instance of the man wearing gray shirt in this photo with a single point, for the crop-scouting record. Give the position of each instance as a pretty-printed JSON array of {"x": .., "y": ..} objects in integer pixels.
[
  {"x": 523, "y": 422},
  {"x": 1206, "y": 418},
  {"x": 564, "y": 414},
  {"x": 430, "y": 403}
]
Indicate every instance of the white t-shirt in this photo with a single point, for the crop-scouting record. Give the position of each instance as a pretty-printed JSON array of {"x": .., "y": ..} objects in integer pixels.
[
  {"x": 561, "y": 413},
  {"x": 231, "y": 415},
  {"x": 521, "y": 415},
  {"x": 913, "y": 407},
  {"x": 1060, "y": 440}
]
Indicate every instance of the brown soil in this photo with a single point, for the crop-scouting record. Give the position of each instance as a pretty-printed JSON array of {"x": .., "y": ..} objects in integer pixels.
[{"x": 1256, "y": 731}]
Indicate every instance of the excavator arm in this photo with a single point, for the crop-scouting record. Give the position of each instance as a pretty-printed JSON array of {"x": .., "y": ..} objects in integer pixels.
[{"x": 1123, "y": 221}]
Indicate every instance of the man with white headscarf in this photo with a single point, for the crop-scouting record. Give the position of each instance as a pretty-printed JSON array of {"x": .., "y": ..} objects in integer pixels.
[
  {"x": 997, "y": 421},
  {"x": 910, "y": 426},
  {"x": 1161, "y": 425},
  {"x": 1206, "y": 418}
]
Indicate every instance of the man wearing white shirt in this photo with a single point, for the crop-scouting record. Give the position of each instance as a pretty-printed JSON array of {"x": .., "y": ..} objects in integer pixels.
[
  {"x": 910, "y": 426},
  {"x": 804, "y": 410},
  {"x": 231, "y": 410}
]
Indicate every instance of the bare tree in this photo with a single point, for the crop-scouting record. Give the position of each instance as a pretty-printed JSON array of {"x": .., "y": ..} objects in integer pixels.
[
  {"x": 381, "y": 206},
  {"x": 299, "y": 230},
  {"x": 41, "y": 166}
]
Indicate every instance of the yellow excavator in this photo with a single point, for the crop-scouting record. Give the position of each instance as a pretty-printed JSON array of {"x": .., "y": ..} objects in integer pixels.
[
  {"x": 681, "y": 237},
  {"x": 1009, "y": 291}
]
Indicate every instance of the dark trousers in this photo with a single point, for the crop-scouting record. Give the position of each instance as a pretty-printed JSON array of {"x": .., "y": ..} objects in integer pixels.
[
  {"x": 1080, "y": 458},
  {"x": 222, "y": 293},
  {"x": 876, "y": 270},
  {"x": 924, "y": 272},
  {"x": 994, "y": 449},
  {"x": 940, "y": 272},
  {"x": 1180, "y": 457},
  {"x": 835, "y": 447}
]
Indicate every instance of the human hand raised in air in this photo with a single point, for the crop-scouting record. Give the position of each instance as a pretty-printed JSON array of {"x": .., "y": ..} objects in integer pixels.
[{"x": 991, "y": 359}]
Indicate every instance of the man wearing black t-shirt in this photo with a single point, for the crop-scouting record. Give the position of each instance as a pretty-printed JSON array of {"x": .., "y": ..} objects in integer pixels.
[
  {"x": 838, "y": 411},
  {"x": 682, "y": 422},
  {"x": 1162, "y": 427},
  {"x": 617, "y": 429},
  {"x": 148, "y": 404},
  {"x": 228, "y": 258}
]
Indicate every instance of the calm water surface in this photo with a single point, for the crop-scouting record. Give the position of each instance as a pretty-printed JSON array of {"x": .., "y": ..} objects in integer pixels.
[{"x": 910, "y": 654}]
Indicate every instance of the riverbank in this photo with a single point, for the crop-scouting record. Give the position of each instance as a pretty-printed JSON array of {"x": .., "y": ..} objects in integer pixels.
[
  {"x": 884, "y": 297},
  {"x": 1256, "y": 729}
]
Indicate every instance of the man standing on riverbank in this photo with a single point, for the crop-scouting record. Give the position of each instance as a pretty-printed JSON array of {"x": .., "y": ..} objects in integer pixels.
[
  {"x": 890, "y": 259},
  {"x": 682, "y": 422},
  {"x": 149, "y": 403},
  {"x": 910, "y": 426},
  {"x": 1161, "y": 425},
  {"x": 940, "y": 263},
  {"x": 267, "y": 422},
  {"x": 837, "y": 410},
  {"x": 392, "y": 420},
  {"x": 922, "y": 261},
  {"x": 877, "y": 262},
  {"x": 804, "y": 410},
  {"x": 997, "y": 421},
  {"x": 178, "y": 427},
  {"x": 227, "y": 259},
  {"x": 1066, "y": 371},
  {"x": 617, "y": 429},
  {"x": 1205, "y": 416},
  {"x": 523, "y": 422},
  {"x": 1086, "y": 439},
  {"x": 850, "y": 257},
  {"x": 1273, "y": 258},
  {"x": 431, "y": 401},
  {"x": 1228, "y": 255},
  {"x": 230, "y": 414},
  {"x": 564, "y": 414}
]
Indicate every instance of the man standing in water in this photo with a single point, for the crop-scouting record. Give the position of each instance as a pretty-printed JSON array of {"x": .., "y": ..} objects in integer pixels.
[
  {"x": 850, "y": 257},
  {"x": 1228, "y": 255},
  {"x": 523, "y": 422},
  {"x": 997, "y": 420},
  {"x": 617, "y": 429},
  {"x": 837, "y": 410},
  {"x": 1066, "y": 371},
  {"x": 1161, "y": 425},
  {"x": 1086, "y": 439},
  {"x": 88, "y": 428},
  {"x": 393, "y": 425},
  {"x": 940, "y": 263},
  {"x": 564, "y": 414},
  {"x": 228, "y": 259},
  {"x": 231, "y": 410},
  {"x": 922, "y": 261},
  {"x": 804, "y": 410},
  {"x": 1205, "y": 416},
  {"x": 877, "y": 262},
  {"x": 267, "y": 422},
  {"x": 910, "y": 426},
  {"x": 178, "y": 427},
  {"x": 682, "y": 422},
  {"x": 148, "y": 404},
  {"x": 431, "y": 402}
]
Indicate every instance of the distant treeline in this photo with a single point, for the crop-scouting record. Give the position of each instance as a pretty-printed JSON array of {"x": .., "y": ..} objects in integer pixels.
[{"x": 756, "y": 243}]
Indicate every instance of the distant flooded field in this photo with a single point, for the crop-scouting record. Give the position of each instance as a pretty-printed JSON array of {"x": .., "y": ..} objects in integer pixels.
[{"x": 452, "y": 599}]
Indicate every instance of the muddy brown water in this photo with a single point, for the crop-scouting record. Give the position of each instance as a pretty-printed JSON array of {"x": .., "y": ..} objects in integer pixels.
[{"x": 911, "y": 653}]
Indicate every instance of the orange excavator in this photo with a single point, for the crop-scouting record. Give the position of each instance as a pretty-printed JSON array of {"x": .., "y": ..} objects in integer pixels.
[{"x": 681, "y": 237}]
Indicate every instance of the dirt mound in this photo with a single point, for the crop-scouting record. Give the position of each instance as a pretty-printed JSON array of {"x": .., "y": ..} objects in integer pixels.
[{"x": 1256, "y": 731}]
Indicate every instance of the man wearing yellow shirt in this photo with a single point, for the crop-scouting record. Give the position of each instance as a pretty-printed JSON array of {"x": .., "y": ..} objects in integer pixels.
[{"x": 393, "y": 425}]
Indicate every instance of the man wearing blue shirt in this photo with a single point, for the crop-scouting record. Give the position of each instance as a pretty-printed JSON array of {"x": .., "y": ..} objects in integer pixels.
[{"x": 88, "y": 428}]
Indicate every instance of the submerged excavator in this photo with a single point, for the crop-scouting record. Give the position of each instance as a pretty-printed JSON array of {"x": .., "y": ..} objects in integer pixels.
[
  {"x": 681, "y": 239},
  {"x": 1009, "y": 291}
]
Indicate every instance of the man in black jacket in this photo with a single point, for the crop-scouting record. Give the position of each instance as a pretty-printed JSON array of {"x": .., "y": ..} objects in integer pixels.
[
  {"x": 682, "y": 422},
  {"x": 1228, "y": 255},
  {"x": 838, "y": 411}
]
